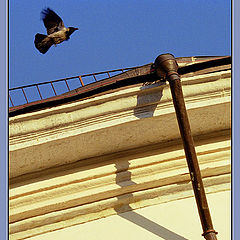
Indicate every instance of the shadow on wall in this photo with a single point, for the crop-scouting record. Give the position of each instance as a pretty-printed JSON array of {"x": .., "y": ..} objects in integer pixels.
[
  {"x": 124, "y": 210},
  {"x": 148, "y": 100}
]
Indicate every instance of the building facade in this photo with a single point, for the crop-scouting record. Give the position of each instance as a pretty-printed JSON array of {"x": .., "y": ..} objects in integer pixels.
[{"x": 112, "y": 165}]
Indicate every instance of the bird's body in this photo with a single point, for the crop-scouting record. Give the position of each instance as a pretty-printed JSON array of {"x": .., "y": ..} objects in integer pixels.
[
  {"x": 56, "y": 31},
  {"x": 59, "y": 36}
]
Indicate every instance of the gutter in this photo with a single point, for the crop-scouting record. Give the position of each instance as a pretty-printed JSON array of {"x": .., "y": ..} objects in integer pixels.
[{"x": 138, "y": 75}]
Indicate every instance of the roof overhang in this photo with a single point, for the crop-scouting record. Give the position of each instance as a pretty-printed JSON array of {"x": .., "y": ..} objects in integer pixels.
[{"x": 113, "y": 122}]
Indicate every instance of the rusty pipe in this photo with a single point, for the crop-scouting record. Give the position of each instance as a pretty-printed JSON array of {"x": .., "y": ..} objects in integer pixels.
[{"x": 166, "y": 67}]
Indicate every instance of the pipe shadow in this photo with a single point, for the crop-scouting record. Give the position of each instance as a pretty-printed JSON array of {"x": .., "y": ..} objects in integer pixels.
[
  {"x": 123, "y": 179},
  {"x": 147, "y": 101}
]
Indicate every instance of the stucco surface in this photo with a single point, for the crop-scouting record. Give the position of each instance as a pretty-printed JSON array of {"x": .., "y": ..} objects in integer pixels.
[
  {"x": 115, "y": 164},
  {"x": 177, "y": 220}
]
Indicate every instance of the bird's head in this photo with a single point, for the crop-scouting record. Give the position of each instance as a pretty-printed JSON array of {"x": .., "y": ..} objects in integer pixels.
[{"x": 71, "y": 30}]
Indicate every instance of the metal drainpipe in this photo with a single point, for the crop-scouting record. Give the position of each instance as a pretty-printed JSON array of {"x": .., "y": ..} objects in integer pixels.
[{"x": 166, "y": 67}]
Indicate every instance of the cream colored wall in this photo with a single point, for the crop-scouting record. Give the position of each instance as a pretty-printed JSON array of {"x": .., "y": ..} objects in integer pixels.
[
  {"x": 175, "y": 220},
  {"x": 93, "y": 189},
  {"x": 74, "y": 164}
]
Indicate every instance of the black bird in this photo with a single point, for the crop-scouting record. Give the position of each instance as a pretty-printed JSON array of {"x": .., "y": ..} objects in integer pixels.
[{"x": 56, "y": 31}]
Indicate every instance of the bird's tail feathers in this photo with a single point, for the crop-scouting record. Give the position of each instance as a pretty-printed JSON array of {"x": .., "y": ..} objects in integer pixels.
[{"x": 42, "y": 43}]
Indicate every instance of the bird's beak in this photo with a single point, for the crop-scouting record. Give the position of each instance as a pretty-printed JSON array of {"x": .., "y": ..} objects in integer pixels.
[{"x": 75, "y": 29}]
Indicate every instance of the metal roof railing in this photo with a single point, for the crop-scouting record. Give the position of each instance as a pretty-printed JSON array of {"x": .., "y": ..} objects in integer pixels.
[
  {"x": 38, "y": 93},
  {"x": 41, "y": 92}
]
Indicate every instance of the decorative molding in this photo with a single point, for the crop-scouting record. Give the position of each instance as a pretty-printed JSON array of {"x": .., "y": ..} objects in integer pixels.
[
  {"x": 118, "y": 183},
  {"x": 115, "y": 152},
  {"x": 88, "y": 128}
]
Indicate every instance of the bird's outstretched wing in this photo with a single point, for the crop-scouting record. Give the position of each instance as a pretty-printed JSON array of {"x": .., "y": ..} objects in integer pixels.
[{"x": 51, "y": 20}]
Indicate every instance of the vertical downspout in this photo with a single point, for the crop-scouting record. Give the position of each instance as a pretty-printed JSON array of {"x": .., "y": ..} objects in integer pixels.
[{"x": 166, "y": 67}]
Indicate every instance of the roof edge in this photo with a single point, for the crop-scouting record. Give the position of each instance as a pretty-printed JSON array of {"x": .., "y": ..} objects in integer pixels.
[{"x": 138, "y": 75}]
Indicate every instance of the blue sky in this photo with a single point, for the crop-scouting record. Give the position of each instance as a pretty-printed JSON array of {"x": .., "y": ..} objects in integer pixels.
[{"x": 114, "y": 34}]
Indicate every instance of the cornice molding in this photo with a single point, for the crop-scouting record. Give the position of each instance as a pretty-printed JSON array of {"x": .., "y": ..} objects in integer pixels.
[
  {"x": 114, "y": 122},
  {"x": 98, "y": 187}
]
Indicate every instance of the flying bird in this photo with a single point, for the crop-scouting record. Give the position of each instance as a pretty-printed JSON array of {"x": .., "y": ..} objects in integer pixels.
[{"x": 56, "y": 31}]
